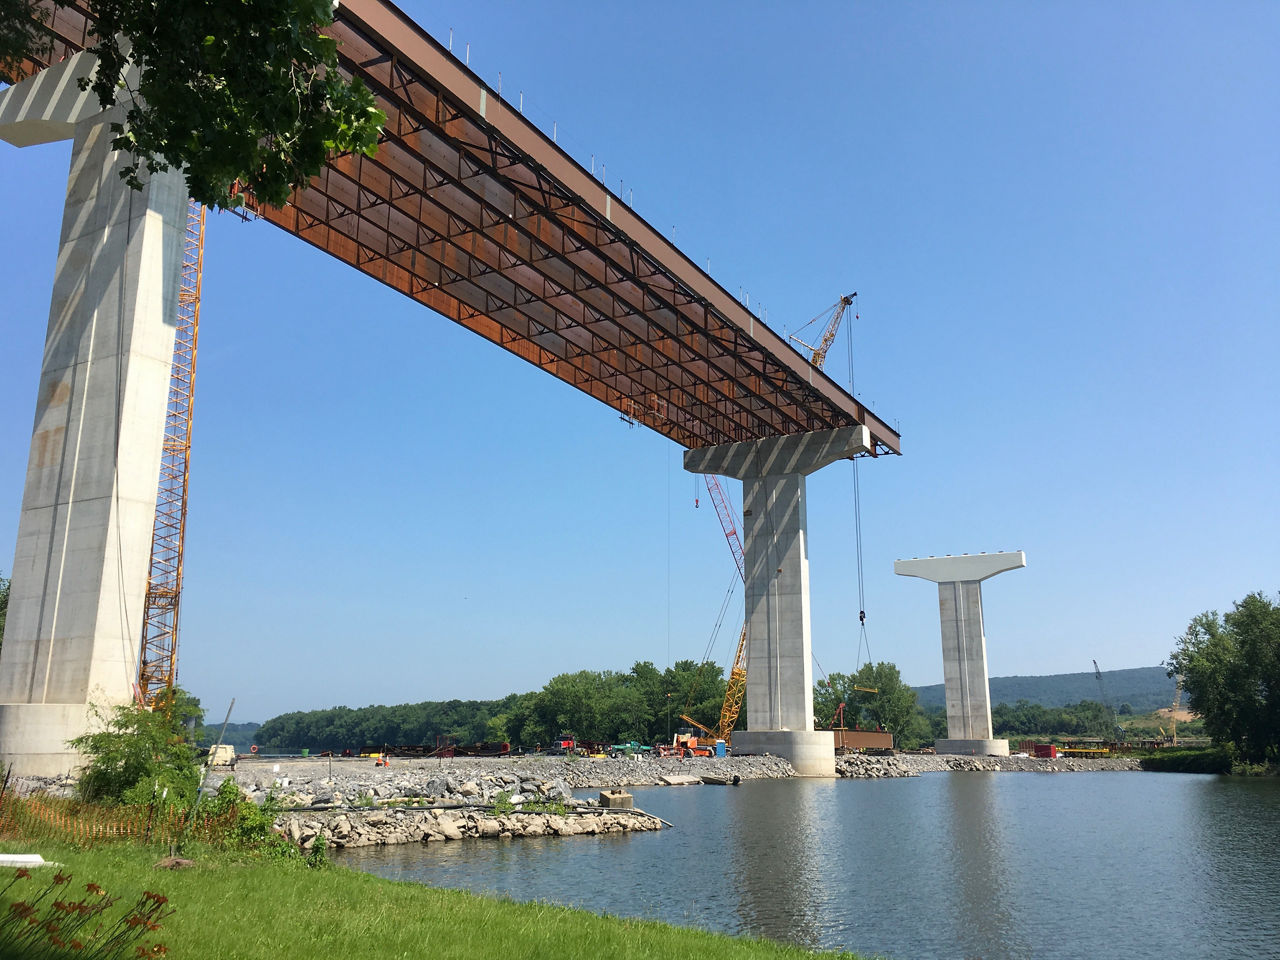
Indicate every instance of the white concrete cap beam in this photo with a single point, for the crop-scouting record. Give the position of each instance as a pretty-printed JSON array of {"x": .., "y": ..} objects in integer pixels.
[
  {"x": 46, "y": 107},
  {"x": 967, "y": 567},
  {"x": 798, "y": 453}
]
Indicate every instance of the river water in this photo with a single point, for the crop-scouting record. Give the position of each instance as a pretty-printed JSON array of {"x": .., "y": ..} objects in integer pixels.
[{"x": 963, "y": 865}]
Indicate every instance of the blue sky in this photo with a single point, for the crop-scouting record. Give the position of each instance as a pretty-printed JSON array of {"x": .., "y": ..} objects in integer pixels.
[{"x": 1061, "y": 221}]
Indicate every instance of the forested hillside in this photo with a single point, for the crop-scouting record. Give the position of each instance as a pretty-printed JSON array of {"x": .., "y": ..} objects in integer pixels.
[
  {"x": 642, "y": 704},
  {"x": 1143, "y": 688}
]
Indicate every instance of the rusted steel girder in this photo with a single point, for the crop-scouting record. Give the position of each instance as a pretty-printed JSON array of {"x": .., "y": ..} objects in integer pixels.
[{"x": 471, "y": 210}]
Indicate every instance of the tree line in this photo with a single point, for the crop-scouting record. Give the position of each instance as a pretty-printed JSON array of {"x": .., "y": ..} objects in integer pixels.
[
  {"x": 1230, "y": 665},
  {"x": 642, "y": 704},
  {"x": 645, "y": 704}
]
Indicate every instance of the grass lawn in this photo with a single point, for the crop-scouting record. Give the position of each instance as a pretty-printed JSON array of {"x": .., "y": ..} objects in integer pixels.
[{"x": 229, "y": 906}]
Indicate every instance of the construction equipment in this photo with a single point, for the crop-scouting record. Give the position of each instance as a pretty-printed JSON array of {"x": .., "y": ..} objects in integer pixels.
[
  {"x": 688, "y": 744},
  {"x": 158, "y": 662},
  {"x": 1117, "y": 730},
  {"x": 736, "y": 686},
  {"x": 832, "y": 315},
  {"x": 1173, "y": 712}
]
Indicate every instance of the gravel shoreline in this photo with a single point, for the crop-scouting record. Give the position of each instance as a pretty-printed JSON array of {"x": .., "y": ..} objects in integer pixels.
[{"x": 864, "y": 766}]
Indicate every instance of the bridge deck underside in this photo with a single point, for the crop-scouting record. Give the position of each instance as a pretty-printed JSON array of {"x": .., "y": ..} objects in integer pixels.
[{"x": 470, "y": 210}]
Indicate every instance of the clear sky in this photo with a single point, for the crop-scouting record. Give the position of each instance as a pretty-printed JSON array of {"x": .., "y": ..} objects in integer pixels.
[{"x": 1063, "y": 224}]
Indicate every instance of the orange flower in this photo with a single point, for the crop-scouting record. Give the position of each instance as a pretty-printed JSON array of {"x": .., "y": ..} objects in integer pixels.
[
  {"x": 159, "y": 950},
  {"x": 22, "y": 873},
  {"x": 77, "y": 945},
  {"x": 155, "y": 896},
  {"x": 94, "y": 889},
  {"x": 61, "y": 877}
]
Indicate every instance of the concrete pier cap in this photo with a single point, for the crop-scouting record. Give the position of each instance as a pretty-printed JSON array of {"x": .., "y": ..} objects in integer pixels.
[
  {"x": 964, "y": 644},
  {"x": 775, "y": 545},
  {"x": 966, "y": 566}
]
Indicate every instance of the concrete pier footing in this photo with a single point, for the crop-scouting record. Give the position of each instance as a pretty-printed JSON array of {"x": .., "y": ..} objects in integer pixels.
[
  {"x": 80, "y": 567},
  {"x": 779, "y": 646},
  {"x": 964, "y": 644},
  {"x": 811, "y": 753}
]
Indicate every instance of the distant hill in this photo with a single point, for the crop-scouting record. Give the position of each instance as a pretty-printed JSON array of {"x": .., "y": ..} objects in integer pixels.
[
  {"x": 239, "y": 735},
  {"x": 1143, "y": 688}
]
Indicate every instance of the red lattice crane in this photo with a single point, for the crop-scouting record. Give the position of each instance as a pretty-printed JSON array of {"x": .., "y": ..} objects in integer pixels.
[
  {"x": 158, "y": 663},
  {"x": 736, "y": 687}
]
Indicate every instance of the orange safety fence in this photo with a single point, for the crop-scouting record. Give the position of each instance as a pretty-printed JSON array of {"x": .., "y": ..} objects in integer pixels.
[{"x": 41, "y": 817}]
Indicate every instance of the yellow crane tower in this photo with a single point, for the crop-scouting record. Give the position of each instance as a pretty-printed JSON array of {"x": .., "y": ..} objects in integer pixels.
[{"x": 158, "y": 662}]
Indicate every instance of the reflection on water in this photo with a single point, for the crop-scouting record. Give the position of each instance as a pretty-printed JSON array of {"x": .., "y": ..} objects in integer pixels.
[
  {"x": 957, "y": 865},
  {"x": 785, "y": 833},
  {"x": 979, "y": 904}
]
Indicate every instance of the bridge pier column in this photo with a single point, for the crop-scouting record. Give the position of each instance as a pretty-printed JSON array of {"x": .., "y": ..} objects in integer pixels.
[
  {"x": 80, "y": 567},
  {"x": 779, "y": 645},
  {"x": 964, "y": 644}
]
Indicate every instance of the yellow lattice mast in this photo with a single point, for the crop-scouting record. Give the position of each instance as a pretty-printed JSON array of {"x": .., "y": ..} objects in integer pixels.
[{"x": 158, "y": 664}]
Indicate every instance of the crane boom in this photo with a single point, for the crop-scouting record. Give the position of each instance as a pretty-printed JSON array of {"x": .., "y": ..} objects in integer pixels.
[
  {"x": 723, "y": 511},
  {"x": 158, "y": 662},
  {"x": 829, "y": 335},
  {"x": 736, "y": 685}
]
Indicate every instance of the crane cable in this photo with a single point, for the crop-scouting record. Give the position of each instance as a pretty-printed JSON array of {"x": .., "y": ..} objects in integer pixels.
[{"x": 863, "y": 640}]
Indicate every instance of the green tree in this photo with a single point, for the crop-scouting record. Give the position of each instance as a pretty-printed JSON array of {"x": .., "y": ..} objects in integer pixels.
[
  {"x": 140, "y": 753},
  {"x": 892, "y": 705},
  {"x": 1230, "y": 667},
  {"x": 23, "y": 35},
  {"x": 240, "y": 94}
]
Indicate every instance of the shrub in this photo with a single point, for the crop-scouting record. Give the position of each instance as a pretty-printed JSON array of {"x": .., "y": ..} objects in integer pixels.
[{"x": 137, "y": 755}]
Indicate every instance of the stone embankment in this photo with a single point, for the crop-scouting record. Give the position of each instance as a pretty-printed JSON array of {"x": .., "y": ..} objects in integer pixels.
[
  {"x": 344, "y": 780},
  {"x": 363, "y": 828},
  {"x": 868, "y": 767},
  {"x": 353, "y": 802}
]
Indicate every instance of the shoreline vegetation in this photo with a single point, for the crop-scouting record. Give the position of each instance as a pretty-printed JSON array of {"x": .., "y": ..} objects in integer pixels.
[
  {"x": 1219, "y": 760},
  {"x": 236, "y": 906}
]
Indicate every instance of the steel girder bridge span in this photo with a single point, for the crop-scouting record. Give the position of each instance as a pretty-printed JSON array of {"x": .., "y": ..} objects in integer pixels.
[{"x": 471, "y": 210}]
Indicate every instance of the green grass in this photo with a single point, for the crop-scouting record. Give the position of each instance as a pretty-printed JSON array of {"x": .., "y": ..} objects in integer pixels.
[{"x": 239, "y": 909}]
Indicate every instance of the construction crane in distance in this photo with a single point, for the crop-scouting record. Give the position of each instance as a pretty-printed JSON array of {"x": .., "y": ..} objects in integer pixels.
[
  {"x": 158, "y": 661},
  {"x": 1117, "y": 730},
  {"x": 1177, "y": 705},
  {"x": 832, "y": 315}
]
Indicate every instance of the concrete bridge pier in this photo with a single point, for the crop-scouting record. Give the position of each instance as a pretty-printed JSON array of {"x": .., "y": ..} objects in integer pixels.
[
  {"x": 964, "y": 644},
  {"x": 779, "y": 645},
  {"x": 80, "y": 568}
]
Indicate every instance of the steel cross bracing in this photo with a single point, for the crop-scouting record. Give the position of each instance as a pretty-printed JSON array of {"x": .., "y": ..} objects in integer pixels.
[
  {"x": 159, "y": 660},
  {"x": 471, "y": 210}
]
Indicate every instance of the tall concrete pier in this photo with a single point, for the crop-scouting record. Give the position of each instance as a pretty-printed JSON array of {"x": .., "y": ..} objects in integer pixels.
[
  {"x": 779, "y": 646},
  {"x": 964, "y": 645},
  {"x": 84, "y": 537}
]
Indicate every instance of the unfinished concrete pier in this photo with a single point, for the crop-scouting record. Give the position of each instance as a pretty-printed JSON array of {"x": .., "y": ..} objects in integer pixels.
[
  {"x": 964, "y": 644},
  {"x": 779, "y": 646},
  {"x": 84, "y": 536}
]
